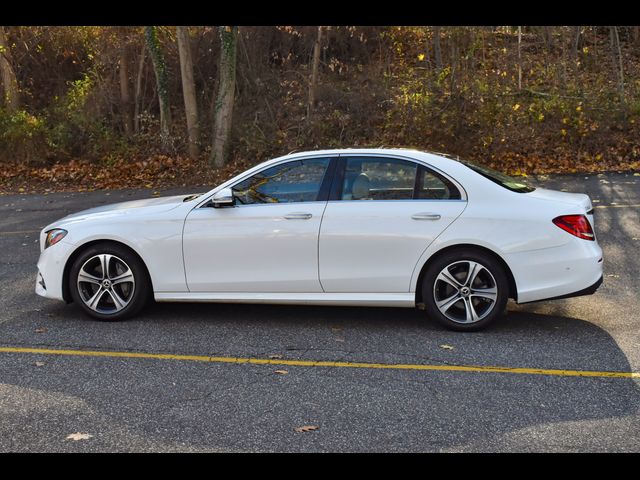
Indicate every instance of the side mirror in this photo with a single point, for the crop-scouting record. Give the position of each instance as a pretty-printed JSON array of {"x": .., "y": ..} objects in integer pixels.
[{"x": 223, "y": 198}]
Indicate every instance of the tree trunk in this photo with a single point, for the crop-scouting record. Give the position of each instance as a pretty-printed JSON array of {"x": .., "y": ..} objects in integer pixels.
[
  {"x": 436, "y": 47},
  {"x": 313, "y": 81},
  {"x": 226, "y": 92},
  {"x": 125, "y": 92},
  {"x": 160, "y": 69},
  {"x": 138, "y": 90},
  {"x": 577, "y": 40},
  {"x": 188, "y": 90},
  {"x": 9, "y": 81},
  {"x": 616, "y": 51},
  {"x": 520, "y": 58},
  {"x": 548, "y": 37}
]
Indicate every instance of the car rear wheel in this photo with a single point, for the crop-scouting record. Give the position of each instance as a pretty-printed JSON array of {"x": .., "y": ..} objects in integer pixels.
[
  {"x": 465, "y": 290},
  {"x": 109, "y": 282}
]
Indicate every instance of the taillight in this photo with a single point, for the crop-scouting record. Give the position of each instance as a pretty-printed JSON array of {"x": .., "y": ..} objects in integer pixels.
[{"x": 577, "y": 225}]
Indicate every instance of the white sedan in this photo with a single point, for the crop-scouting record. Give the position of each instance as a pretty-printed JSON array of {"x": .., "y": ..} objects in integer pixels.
[{"x": 372, "y": 227}]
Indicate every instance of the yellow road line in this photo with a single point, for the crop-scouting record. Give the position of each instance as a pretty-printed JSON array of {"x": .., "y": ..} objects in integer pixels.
[
  {"x": 18, "y": 232},
  {"x": 313, "y": 363},
  {"x": 617, "y": 206}
]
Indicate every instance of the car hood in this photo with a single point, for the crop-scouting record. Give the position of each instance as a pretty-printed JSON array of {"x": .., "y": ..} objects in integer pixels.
[
  {"x": 147, "y": 205},
  {"x": 579, "y": 200}
]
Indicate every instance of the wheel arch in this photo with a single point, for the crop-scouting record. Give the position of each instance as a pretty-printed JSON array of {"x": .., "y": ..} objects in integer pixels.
[
  {"x": 66, "y": 295},
  {"x": 513, "y": 290}
]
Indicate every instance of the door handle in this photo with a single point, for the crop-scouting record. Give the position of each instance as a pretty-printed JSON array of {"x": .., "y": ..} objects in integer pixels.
[
  {"x": 298, "y": 216},
  {"x": 426, "y": 216}
]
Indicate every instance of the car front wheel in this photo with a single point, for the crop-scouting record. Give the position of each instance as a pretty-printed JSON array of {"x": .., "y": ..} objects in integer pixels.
[
  {"x": 465, "y": 290},
  {"x": 109, "y": 282}
]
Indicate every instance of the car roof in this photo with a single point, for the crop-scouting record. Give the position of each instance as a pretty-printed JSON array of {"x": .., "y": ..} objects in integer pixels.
[{"x": 438, "y": 160}]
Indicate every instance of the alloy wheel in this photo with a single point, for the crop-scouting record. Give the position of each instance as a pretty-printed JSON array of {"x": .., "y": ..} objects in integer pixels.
[{"x": 465, "y": 291}]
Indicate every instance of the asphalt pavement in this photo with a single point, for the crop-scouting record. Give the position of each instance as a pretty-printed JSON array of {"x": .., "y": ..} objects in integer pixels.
[{"x": 178, "y": 401}]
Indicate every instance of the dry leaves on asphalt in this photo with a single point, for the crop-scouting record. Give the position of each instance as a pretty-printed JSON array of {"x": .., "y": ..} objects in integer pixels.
[
  {"x": 281, "y": 372},
  {"x": 41, "y": 330},
  {"x": 275, "y": 357},
  {"x": 306, "y": 428},
  {"x": 446, "y": 347},
  {"x": 39, "y": 364},
  {"x": 79, "y": 436}
]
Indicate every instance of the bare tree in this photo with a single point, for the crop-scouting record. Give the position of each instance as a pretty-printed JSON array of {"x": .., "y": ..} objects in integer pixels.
[
  {"x": 9, "y": 81},
  {"x": 437, "y": 50},
  {"x": 125, "y": 91},
  {"x": 313, "y": 81},
  {"x": 138, "y": 90},
  {"x": 188, "y": 90},
  {"x": 160, "y": 69},
  {"x": 223, "y": 110},
  {"x": 519, "y": 58},
  {"x": 616, "y": 50}
]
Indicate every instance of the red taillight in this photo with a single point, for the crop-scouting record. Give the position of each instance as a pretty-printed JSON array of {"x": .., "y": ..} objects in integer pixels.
[{"x": 577, "y": 225}]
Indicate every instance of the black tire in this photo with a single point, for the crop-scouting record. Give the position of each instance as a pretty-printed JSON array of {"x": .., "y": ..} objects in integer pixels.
[
  {"x": 136, "y": 292},
  {"x": 458, "y": 263}
]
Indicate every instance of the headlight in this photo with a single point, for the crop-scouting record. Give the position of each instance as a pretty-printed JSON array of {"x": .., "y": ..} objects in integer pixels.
[{"x": 54, "y": 236}]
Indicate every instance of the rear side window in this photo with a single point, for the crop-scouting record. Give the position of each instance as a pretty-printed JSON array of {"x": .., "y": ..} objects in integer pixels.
[
  {"x": 433, "y": 186},
  {"x": 379, "y": 178},
  {"x": 371, "y": 178}
]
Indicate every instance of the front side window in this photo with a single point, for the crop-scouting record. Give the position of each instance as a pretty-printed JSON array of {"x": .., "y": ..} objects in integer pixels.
[
  {"x": 371, "y": 178},
  {"x": 296, "y": 181}
]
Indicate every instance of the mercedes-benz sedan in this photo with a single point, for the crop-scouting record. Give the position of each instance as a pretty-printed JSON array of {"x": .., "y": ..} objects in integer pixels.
[{"x": 373, "y": 227}]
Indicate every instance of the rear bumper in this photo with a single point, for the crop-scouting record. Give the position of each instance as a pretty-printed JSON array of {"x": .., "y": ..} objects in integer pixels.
[
  {"x": 590, "y": 290},
  {"x": 558, "y": 272}
]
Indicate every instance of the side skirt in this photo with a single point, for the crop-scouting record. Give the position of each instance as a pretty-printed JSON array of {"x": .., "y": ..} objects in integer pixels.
[{"x": 347, "y": 299}]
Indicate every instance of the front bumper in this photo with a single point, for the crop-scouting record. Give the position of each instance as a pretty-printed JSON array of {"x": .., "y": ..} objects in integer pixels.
[{"x": 51, "y": 270}]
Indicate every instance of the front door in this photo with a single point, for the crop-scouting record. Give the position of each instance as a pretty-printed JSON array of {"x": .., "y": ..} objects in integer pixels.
[{"x": 268, "y": 241}]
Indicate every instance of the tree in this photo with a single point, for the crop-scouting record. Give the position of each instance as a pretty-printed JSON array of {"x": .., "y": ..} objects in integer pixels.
[
  {"x": 9, "y": 81},
  {"x": 615, "y": 49},
  {"x": 188, "y": 90},
  {"x": 125, "y": 91},
  {"x": 520, "y": 58},
  {"x": 226, "y": 91},
  {"x": 313, "y": 81},
  {"x": 437, "y": 50},
  {"x": 160, "y": 69}
]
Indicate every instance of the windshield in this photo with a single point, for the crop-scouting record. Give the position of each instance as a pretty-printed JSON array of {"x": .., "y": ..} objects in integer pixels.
[{"x": 500, "y": 178}]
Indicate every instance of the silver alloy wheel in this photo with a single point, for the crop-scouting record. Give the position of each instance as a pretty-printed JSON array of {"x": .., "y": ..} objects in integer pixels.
[
  {"x": 465, "y": 291},
  {"x": 105, "y": 283}
]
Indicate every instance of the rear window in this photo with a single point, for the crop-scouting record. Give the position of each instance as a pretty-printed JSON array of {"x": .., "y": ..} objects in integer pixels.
[{"x": 500, "y": 178}]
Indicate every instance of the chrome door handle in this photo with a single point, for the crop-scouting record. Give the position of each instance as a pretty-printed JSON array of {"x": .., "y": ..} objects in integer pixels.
[
  {"x": 426, "y": 216},
  {"x": 298, "y": 216}
]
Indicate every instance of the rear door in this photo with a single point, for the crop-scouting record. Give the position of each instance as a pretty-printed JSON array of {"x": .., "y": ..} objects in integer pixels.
[{"x": 382, "y": 214}]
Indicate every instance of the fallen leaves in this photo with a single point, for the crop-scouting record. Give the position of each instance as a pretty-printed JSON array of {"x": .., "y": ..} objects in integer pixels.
[
  {"x": 41, "y": 330},
  {"x": 306, "y": 428},
  {"x": 282, "y": 372},
  {"x": 79, "y": 436},
  {"x": 39, "y": 364},
  {"x": 275, "y": 356},
  {"x": 446, "y": 347}
]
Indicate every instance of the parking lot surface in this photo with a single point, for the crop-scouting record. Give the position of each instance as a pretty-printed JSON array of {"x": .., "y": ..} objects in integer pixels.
[{"x": 555, "y": 376}]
